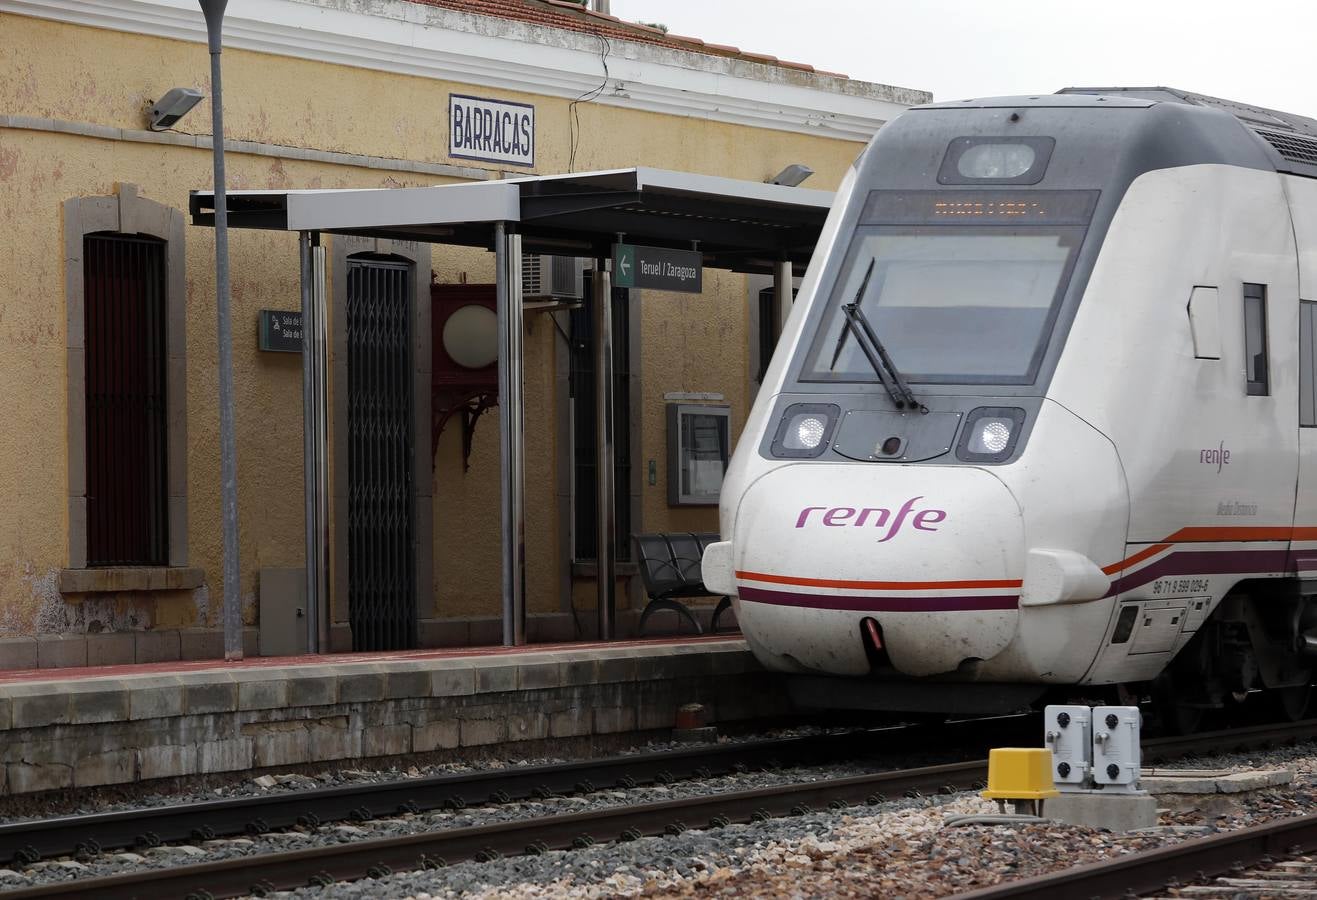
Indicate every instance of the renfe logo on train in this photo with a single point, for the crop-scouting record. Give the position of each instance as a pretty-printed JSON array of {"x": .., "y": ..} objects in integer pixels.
[
  {"x": 491, "y": 130},
  {"x": 873, "y": 517}
]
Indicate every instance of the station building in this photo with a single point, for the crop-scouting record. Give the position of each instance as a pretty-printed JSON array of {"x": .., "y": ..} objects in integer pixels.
[{"x": 110, "y": 536}]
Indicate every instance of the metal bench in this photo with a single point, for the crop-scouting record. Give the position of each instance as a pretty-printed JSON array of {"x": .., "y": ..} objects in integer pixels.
[{"x": 670, "y": 570}]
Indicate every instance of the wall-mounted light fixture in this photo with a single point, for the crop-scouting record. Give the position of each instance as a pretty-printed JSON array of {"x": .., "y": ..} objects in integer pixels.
[
  {"x": 174, "y": 105},
  {"x": 792, "y": 175}
]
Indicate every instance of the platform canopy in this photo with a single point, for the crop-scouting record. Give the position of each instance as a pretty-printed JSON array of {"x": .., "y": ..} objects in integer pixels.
[{"x": 743, "y": 226}]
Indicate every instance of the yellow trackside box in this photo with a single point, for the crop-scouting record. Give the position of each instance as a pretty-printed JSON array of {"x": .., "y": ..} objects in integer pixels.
[{"x": 1020, "y": 773}]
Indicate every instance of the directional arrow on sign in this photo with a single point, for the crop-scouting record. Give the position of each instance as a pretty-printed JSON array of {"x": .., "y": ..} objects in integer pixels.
[{"x": 624, "y": 266}]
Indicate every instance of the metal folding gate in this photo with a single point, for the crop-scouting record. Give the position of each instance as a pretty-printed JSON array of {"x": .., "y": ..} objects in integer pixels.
[
  {"x": 381, "y": 548},
  {"x": 127, "y": 518}
]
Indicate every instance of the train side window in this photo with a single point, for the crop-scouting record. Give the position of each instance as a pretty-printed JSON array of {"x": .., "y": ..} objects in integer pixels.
[
  {"x": 1307, "y": 400},
  {"x": 1255, "y": 339}
]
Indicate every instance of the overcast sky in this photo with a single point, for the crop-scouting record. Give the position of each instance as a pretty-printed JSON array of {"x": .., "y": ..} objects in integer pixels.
[{"x": 1255, "y": 51}]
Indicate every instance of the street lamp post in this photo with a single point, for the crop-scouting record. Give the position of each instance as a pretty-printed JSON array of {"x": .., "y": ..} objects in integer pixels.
[{"x": 214, "y": 12}]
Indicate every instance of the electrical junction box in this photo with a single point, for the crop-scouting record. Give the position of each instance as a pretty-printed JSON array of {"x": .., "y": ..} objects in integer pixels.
[
  {"x": 1116, "y": 752},
  {"x": 1067, "y": 733}
]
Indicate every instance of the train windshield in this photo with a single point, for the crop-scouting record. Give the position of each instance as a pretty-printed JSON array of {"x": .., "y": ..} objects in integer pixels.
[{"x": 953, "y": 304}]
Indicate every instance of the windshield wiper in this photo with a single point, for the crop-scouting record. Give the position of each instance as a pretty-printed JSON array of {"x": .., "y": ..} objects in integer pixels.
[{"x": 873, "y": 350}]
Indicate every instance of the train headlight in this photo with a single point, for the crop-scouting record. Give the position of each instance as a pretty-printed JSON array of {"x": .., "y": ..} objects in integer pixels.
[
  {"x": 991, "y": 435},
  {"x": 805, "y": 430},
  {"x": 804, "y": 433}
]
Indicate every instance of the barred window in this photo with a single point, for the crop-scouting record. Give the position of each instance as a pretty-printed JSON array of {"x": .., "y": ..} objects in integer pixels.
[{"x": 126, "y": 413}]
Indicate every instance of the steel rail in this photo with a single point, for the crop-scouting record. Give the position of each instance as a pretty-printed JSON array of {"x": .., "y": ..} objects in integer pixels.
[
  {"x": 30, "y": 841},
  {"x": 1154, "y": 870},
  {"x": 370, "y": 858},
  {"x": 269, "y": 872}
]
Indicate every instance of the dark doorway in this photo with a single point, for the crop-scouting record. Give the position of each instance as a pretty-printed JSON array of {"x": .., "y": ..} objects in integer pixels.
[
  {"x": 585, "y": 524},
  {"x": 381, "y": 512},
  {"x": 127, "y": 516}
]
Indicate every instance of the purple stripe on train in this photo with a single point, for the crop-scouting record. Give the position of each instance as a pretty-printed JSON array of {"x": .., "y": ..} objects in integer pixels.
[{"x": 879, "y": 604}]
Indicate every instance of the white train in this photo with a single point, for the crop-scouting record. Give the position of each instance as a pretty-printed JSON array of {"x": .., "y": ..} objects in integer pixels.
[{"x": 1043, "y": 415}]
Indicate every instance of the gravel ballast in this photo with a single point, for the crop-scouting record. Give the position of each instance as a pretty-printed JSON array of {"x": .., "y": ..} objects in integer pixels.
[{"x": 894, "y": 849}]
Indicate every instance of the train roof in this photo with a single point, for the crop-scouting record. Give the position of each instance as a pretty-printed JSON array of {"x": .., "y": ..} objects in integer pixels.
[
  {"x": 1288, "y": 139},
  {"x": 1292, "y": 137}
]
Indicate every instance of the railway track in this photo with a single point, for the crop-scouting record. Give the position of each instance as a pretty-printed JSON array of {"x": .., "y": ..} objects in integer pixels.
[
  {"x": 264, "y": 874},
  {"x": 30, "y": 841},
  {"x": 1272, "y": 850}
]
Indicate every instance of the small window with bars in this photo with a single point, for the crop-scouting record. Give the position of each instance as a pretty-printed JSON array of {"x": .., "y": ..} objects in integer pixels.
[
  {"x": 126, "y": 368},
  {"x": 1255, "y": 340}
]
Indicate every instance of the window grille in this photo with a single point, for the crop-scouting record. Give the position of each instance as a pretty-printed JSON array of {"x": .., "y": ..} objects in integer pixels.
[{"x": 126, "y": 413}]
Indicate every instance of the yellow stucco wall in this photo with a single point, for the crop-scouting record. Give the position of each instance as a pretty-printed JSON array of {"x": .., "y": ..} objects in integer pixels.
[{"x": 86, "y": 75}]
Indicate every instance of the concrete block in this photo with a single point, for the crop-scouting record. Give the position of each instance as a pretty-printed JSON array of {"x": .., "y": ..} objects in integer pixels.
[
  {"x": 35, "y": 710},
  {"x": 580, "y": 671},
  {"x": 571, "y": 723},
  {"x": 279, "y": 743},
  {"x": 312, "y": 690},
  {"x": 413, "y": 683},
  {"x": 111, "y": 648},
  {"x": 333, "y": 738},
  {"x": 444, "y": 632},
  {"x": 200, "y": 643},
  {"x": 6, "y": 718},
  {"x": 1115, "y": 812},
  {"x": 496, "y": 678},
  {"x": 528, "y": 726},
  {"x": 539, "y": 676},
  {"x": 364, "y": 687},
  {"x": 62, "y": 651},
  {"x": 159, "y": 701},
  {"x": 1170, "y": 782},
  {"x": 112, "y": 767},
  {"x": 26, "y": 778},
  {"x": 157, "y": 646},
  {"x": 614, "y": 720},
  {"x": 455, "y": 682},
  {"x": 225, "y": 756},
  {"x": 733, "y": 662},
  {"x": 88, "y": 705},
  {"x": 210, "y": 697},
  {"x": 616, "y": 668},
  {"x": 263, "y": 694},
  {"x": 655, "y": 714},
  {"x": 18, "y": 653},
  {"x": 166, "y": 761},
  {"x": 386, "y": 740},
  {"x": 444, "y": 735},
  {"x": 476, "y": 732}
]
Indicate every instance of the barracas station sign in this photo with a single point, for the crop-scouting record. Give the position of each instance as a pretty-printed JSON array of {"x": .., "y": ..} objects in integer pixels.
[
  {"x": 491, "y": 130},
  {"x": 658, "y": 268}
]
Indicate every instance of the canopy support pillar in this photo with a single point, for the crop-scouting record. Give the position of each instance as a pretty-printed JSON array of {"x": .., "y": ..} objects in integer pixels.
[
  {"x": 602, "y": 289},
  {"x": 315, "y": 441},
  {"x": 782, "y": 299},
  {"x": 511, "y": 426}
]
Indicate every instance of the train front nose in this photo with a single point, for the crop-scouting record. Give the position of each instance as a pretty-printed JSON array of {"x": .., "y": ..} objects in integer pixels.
[{"x": 934, "y": 555}]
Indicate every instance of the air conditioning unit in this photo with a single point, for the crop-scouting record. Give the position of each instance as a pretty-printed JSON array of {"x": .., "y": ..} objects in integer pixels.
[{"x": 552, "y": 276}]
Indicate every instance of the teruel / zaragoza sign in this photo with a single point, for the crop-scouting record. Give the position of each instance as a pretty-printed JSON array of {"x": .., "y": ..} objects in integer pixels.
[{"x": 491, "y": 130}]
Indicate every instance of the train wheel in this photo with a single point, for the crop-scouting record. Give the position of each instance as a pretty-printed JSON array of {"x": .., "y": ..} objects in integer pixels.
[{"x": 1290, "y": 703}]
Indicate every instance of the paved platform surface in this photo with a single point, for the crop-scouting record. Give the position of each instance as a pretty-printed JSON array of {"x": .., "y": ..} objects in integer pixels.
[
  {"x": 332, "y": 659},
  {"x": 81, "y": 727}
]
